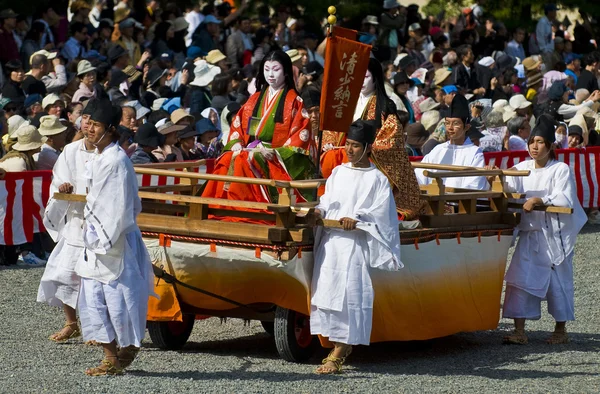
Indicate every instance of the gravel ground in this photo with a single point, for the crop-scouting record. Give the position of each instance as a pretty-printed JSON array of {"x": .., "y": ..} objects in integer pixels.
[{"x": 231, "y": 357}]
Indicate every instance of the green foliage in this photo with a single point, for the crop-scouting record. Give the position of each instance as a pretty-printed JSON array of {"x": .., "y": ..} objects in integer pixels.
[{"x": 450, "y": 7}]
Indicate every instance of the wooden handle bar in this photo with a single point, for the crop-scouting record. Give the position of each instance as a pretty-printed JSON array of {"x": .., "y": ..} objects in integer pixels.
[
  {"x": 310, "y": 184},
  {"x": 463, "y": 173},
  {"x": 432, "y": 166},
  {"x": 545, "y": 208},
  {"x": 173, "y": 165},
  {"x": 69, "y": 197}
]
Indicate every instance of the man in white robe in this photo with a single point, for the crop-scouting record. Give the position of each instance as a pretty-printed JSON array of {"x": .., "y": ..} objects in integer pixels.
[
  {"x": 542, "y": 264},
  {"x": 359, "y": 196},
  {"x": 459, "y": 150},
  {"x": 64, "y": 222},
  {"x": 115, "y": 268}
]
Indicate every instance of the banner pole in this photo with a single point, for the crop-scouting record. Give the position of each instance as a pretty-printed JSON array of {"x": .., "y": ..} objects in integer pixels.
[{"x": 331, "y": 20}]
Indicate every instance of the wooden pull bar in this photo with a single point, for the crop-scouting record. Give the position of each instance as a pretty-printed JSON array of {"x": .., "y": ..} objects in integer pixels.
[
  {"x": 329, "y": 223},
  {"x": 545, "y": 208},
  {"x": 445, "y": 167},
  {"x": 309, "y": 184},
  {"x": 173, "y": 165},
  {"x": 469, "y": 172},
  {"x": 69, "y": 197},
  {"x": 210, "y": 177}
]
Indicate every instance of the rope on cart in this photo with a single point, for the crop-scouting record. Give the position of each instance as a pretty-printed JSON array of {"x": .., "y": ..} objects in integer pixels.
[
  {"x": 278, "y": 248},
  {"x": 168, "y": 278}
]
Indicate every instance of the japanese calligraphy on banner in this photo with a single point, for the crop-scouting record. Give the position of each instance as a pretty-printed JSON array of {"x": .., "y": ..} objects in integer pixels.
[{"x": 346, "y": 63}]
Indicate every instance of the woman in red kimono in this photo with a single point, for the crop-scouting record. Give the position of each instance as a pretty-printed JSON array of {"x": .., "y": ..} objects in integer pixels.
[
  {"x": 270, "y": 136},
  {"x": 388, "y": 152}
]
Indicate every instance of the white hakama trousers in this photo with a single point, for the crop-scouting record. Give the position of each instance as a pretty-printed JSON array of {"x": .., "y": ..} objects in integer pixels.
[
  {"x": 342, "y": 278},
  {"x": 531, "y": 279},
  {"x": 117, "y": 310},
  {"x": 60, "y": 283},
  {"x": 351, "y": 326},
  {"x": 519, "y": 303}
]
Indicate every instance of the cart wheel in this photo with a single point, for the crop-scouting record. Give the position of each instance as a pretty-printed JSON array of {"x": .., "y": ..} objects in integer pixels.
[
  {"x": 292, "y": 335},
  {"x": 171, "y": 335},
  {"x": 269, "y": 327}
]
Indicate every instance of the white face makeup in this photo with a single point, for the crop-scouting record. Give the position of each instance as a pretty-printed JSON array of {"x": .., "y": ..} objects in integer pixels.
[
  {"x": 273, "y": 72},
  {"x": 368, "y": 84}
]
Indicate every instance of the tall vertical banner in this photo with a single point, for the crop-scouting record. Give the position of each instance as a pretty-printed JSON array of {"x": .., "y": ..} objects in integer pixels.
[{"x": 346, "y": 62}]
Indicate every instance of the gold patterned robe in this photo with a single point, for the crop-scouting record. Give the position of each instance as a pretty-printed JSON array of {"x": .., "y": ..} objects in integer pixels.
[{"x": 389, "y": 155}]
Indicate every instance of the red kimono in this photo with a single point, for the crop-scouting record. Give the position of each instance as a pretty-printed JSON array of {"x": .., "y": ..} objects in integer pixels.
[{"x": 251, "y": 130}]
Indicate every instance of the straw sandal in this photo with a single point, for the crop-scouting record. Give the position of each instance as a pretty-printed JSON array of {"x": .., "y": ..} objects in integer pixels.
[
  {"x": 105, "y": 368},
  {"x": 336, "y": 361},
  {"x": 558, "y": 338},
  {"x": 126, "y": 355},
  {"x": 92, "y": 343},
  {"x": 518, "y": 337},
  {"x": 62, "y": 336}
]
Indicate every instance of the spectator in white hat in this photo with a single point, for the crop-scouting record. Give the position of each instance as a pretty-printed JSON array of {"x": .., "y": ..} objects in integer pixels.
[
  {"x": 521, "y": 106},
  {"x": 20, "y": 158},
  {"x": 199, "y": 94},
  {"x": 53, "y": 104},
  {"x": 87, "y": 87},
  {"x": 55, "y": 133}
]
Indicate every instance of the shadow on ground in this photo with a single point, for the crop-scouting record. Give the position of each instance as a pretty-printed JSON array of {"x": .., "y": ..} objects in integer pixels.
[{"x": 446, "y": 356}]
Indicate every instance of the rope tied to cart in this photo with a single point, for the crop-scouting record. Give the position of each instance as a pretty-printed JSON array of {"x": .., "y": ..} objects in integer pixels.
[{"x": 160, "y": 273}]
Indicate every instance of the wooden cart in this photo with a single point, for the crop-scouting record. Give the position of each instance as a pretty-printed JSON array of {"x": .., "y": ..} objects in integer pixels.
[{"x": 254, "y": 260}]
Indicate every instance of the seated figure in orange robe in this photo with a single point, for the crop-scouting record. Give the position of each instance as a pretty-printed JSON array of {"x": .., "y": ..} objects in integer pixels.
[
  {"x": 270, "y": 137},
  {"x": 388, "y": 152}
]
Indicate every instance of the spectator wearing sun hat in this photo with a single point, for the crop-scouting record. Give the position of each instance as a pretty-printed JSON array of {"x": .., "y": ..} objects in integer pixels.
[
  {"x": 53, "y": 104},
  {"x": 87, "y": 87},
  {"x": 217, "y": 58},
  {"x": 20, "y": 158},
  {"x": 55, "y": 133},
  {"x": 168, "y": 152},
  {"x": 199, "y": 95}
]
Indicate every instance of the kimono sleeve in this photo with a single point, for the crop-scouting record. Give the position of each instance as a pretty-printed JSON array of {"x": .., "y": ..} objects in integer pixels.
[
  {"x": 562, "y": 233},
  {"x": 380, "y": 221},
  {"x": 300, "y": 130},
  {"x": 564, "y": 192},
  {"x": 110, "y": 208},
  {"x": 56, "y": 210}
]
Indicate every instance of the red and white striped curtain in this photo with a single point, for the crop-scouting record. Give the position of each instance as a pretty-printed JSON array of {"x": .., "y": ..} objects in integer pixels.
[
  {"x": 584, "y": 163},
  {"x": 23, "y": 198},
  {"x": 24, "y": 195}
]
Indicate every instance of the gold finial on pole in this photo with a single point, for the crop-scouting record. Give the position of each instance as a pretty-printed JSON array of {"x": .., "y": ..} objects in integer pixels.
[{"x": 331, "y": 19}]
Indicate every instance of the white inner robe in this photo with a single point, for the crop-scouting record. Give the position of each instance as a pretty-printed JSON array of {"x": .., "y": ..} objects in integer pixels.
[
  {"x": 467, "y": 154},
  {"x": 342, "y": 291},
  {"x": 115, "y": 268},
  {"x": 542, "y": 265},
  {"x": 64, "y": 222}
]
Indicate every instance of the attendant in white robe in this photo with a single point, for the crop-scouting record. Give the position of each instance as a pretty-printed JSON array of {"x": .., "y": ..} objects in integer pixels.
[
  {"x": 115, "y": 269},
  {"x": 64, "y": 222},
  {"x": 542, "y": 264},
  {"x": 359, "y": 196},
  {"x": 459, "y": 150}
]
